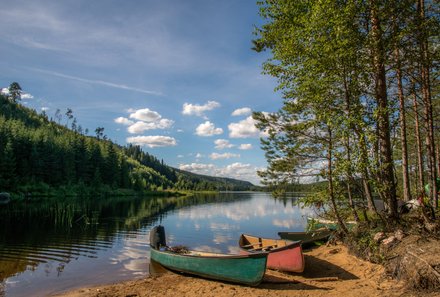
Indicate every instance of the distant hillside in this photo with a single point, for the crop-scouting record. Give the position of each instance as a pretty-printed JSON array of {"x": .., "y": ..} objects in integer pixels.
[
  {"x": 38, "y": 154},
  {"x": 220, "y": 183}
]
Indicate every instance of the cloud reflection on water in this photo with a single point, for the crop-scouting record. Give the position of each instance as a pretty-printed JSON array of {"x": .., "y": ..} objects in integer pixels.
[
  {"x": 241, "y": 212},
  {"x": 221, "y": 238},
  {"x": 290, "y": 224},
  {"x": 216, "y": 227},
  {"x": 133, "y": 254},
  {"x": 222, "y": 226}
]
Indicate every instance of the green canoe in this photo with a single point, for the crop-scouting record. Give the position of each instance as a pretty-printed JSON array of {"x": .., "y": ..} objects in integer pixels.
[
  {"x": 243, "y": 269},
  {"x": 308, "y": 238}
]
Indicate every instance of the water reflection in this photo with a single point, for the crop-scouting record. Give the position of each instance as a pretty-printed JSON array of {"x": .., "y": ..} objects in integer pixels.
[
  {"x": 218, "y": 226},
  {"x": 56, "y": 245}
]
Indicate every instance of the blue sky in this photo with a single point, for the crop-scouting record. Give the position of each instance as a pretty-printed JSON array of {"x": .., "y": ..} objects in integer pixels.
[{"x": 177, "y": 77}]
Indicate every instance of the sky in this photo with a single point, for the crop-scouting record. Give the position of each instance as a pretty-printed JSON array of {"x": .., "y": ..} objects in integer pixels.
[{"x": 177, "y": 77}]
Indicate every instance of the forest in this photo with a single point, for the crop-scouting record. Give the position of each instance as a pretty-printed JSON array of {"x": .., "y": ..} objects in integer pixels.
[
  {"x": 361, "y": 109},
  {"x": 40, "y": 157}
]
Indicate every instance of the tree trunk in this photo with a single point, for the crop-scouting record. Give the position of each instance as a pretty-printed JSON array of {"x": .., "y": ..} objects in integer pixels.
[
  {"x": 421, "y": 179},
  {"x": 438, "y": 159},
  {"x": 350, "y": 179},
  {"x": 364, "y": 170},
  {"x": 330, "y": 183},
  {"x": 367, "y": 193},
  {"x": 366, "y": 176},
  {"x": 402, "y": 120},
  {"x": 351, "y": 202},
  {"x": 383, "y": 124},
  {"x": 426, "y": 93}
]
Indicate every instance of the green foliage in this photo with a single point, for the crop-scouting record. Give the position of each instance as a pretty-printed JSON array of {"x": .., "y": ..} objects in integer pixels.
[
  {"x": 14, "y": 92},
  {"x": 335, "y": 66},
  {"x": 363, "y": 245}
]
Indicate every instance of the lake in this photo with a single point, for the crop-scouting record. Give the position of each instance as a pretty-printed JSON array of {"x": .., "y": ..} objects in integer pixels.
[{"x": 58, "y": 245}]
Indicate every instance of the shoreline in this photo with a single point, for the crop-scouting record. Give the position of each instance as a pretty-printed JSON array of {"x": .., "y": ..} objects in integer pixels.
[{"x": 330, "y": 271}]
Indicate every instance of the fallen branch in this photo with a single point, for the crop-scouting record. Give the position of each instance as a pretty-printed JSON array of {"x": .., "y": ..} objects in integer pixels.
[
  {"x": 427, "y": 264},
  {"x": 326, "y": 279}
]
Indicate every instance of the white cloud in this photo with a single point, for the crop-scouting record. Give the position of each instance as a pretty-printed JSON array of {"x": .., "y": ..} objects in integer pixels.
[
  {"x": 140, "y": 127},
  {"x": 244, "y": 129},
  {"x": 146, "y": 120},
  {"x": 241, "y": 111},
  {"x": 199, "y": 110},
  {"x": 45, "y": 108},
  {"x": 5, "y": 91},
  {"x": 245, "y": 146},
  {"x": 215, "y": 156},
  {"x": 199, "y": 155},
  {"x": 123, "y": 121},
  {"x": 152, "y": 141},
  {"x": 199, "y": 168},
  {"x": 222, "y": 144},
  {"x": 145, "y": 115},
  {"x": 208, "y": 129},
  {"x": 237, "y": 170},
  {"x": 26, "y": 96}
]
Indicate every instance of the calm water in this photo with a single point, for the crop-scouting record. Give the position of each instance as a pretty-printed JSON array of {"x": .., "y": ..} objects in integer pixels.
[{"x": 55, "y": 246}]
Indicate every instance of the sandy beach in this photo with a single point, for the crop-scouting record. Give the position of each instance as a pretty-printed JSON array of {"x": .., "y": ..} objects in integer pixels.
[{"x": 330, "y": 271}]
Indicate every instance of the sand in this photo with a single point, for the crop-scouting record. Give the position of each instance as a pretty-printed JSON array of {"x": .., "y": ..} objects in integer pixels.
[{"x": 330, "y": 271}]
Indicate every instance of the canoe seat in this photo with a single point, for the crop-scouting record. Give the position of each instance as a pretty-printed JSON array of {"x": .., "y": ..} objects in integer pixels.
[
  {"x": 250, "y": 245},
  {"x": 269, "y": 248},
  {"x": 264, "y": 248}
]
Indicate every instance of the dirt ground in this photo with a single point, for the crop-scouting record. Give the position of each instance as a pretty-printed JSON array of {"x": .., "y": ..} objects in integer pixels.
[{"x": 330, "y": 271}]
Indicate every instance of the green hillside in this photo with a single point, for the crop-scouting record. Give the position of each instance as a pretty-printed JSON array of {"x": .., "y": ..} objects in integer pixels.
[
  {"x": 40, "y": 156},
  {"x": 204, "y": 182}
]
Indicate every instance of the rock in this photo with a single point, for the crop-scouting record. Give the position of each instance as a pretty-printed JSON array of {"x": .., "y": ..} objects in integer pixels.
[
  {"x": 431, "y": 227},
  {"x": 399, "y": 234},
  {"x": 379, "y": 236},
  {"x": 390, "y": 241}
]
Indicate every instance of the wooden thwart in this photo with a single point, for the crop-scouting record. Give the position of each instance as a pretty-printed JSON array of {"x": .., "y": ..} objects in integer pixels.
[
  {"x": 263, "y": 247},
  {"x": 252, "y": 244}
]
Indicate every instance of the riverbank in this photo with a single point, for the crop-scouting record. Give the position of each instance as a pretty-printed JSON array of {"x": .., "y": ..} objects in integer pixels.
[
  {"x": 330, "y": 271},
  {"x": 74, "y": 192}
]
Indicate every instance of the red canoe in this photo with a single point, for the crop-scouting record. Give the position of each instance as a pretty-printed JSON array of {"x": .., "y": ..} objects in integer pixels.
[{"x": 284, "y": 255}]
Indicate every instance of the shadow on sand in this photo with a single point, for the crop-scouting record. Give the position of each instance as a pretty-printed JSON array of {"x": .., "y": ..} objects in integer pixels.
[{"x": 318, "y": 268}]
